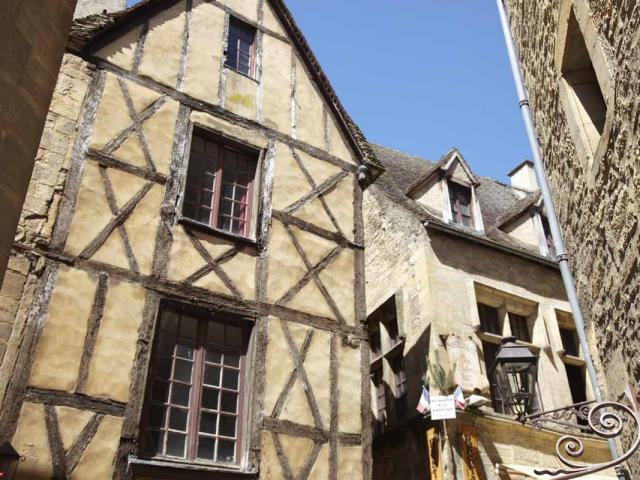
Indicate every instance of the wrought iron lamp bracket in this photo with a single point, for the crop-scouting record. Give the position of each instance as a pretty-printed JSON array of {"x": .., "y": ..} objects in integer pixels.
[{"x": 604, "y": 419}]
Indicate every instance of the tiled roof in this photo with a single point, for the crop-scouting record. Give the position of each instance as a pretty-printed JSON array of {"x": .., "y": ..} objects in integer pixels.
[
  {"x": 88, "y": 30},
  {"x": 496, "y": 199}
]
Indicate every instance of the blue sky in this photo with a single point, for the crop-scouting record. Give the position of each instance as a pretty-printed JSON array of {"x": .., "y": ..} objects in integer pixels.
[{"x": 421, "y": 76}]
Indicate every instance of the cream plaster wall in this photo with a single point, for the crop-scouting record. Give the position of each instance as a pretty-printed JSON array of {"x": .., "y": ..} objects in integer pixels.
[
  {"x": 523, "y": 229},
  {"x": 430, "y": 195}
]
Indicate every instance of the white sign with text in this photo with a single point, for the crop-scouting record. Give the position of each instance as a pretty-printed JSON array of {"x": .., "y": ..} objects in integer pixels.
[{"x": 443, "y": 407}]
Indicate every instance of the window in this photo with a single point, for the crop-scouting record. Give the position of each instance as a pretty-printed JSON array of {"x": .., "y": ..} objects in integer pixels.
[
  {"x": 489, "y": 319},
  {"x": 195, "y": 400},
  {"x": 388, "y": 378},
  {"x": 551, "y": 249},
  {"x": 519, "y": 327},
  {"x": 241, "y": 47},
  {"x": 587, "y": 106},
  {"x": 575, "y": 375},
  {"x": 460, "y": 200},
  {"x": 569, "y": 342},
  {"x": 490, "y": 350},
  {"x": 219, "y": 186}
]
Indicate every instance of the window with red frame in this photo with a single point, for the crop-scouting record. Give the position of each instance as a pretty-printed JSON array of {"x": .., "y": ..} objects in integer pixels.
[
  {"x": 241, "y": 47},
  {"x": 219, "y": 186},
  {"x": 194, "y": 403},
  {"x": 460, "y": 200}
]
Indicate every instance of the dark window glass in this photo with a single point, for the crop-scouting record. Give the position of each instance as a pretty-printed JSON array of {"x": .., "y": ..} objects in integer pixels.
[
  {"x": 547, "y": 235},
  {"x": 569, "y": 343},
  {"x": 519, "y": 327},
  {"x": 219, "y": 185},
  {"x": 575, "y": 375},
  {"x": 193, "y": 409},
  {"x": 380, "y": 413},
  {"x": 489, "y": 319},
  {"x": 460, "y": 200},
  {"x": 490, "y": 350},
  {"x": 241, "y": 47},
  {"x": 400, "y": 380}
]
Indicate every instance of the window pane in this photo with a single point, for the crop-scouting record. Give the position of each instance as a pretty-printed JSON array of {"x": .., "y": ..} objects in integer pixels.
[
  {"x": 489, "y": 319},
  {"x": 159, "y": 391},
  {"x": 206, "y": 447},
  {"x": 230, "y": 379},
  {"x": 229, "y": 402},
  {"x": 170, "y": 322},
  {"x": 180, "y": 394},
  {"x": 175, "y": 444},
  {"x": 233, "y": 337},
  {"x": 178, "y": 419},
  {"x": 214, "y": 354},
  {"x": 208, "y": 422},
  {"x": 232, "y": 358},
  {"x": 215, "y": 332},
  {"x": 166, "y": 343},
  {"x": 210, "y": 399},
  {"x": 211, "y": 375},
  {"x": 204, "y": 215},
  {"x": 157, "y": 416},
  {"x": 226, "y": 450},
  {"x": 154, "y": 440},
  {"x": 182, "y": 371},
  {"x": 227, "y": 426},
  {"x": 185, "y": 349},
  {"x": 164, "y": 368}
]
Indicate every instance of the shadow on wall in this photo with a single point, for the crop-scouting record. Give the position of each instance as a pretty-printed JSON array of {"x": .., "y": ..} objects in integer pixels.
[{"x": 503, "y": 267}]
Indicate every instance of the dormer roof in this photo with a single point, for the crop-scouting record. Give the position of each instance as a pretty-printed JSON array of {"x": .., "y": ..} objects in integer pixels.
[{"x": 444, "y": 166}]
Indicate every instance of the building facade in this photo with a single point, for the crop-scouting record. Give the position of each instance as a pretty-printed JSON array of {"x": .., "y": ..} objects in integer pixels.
[
  {"x": 580, "y": 64},
  {"x": 455, "y": 262},
  {"x": 192, "y": 297}
]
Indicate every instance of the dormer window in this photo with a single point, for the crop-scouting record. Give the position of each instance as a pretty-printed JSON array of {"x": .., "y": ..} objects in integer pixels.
[{"x": 460, "y": 200}]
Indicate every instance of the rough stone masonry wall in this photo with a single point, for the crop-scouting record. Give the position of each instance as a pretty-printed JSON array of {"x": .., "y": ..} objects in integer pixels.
[
  {"x": 45, "y": 189},
  {"x": 598, "y": 208}
]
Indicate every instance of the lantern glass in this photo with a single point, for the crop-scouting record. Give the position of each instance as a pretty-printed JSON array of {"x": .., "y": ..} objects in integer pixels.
[{"x": 515, "y": 370}]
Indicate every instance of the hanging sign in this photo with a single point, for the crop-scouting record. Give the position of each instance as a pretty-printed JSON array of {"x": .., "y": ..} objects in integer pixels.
[{"x": 443, "y": 407}]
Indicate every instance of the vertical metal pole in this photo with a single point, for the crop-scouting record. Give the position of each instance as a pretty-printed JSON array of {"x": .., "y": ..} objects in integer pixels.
[{"x": 563, "y": 259}]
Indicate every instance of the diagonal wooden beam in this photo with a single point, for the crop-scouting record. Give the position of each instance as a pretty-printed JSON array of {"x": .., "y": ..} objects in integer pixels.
[
  {"x": 310, "y": 227},
  {"x": 302, "y": 374},
  {"x": 115, "y": 221},
  {"x": 311, "y": 273},
  {"x": 126, "y": 132},
  {"x": 305, "y": 471},
  {"x": 124, "y": 238},
  {"x": 214, "y": 263},
  {"x": 316, "y": 278},
  {"x": 137, "y": 124},
  {"x": 291, "y": 380},
  {"x": 317, "y": 191},
  {"x": 73, "y": 455},
  {"x": 282, "y": 458},
  {"x": 311, "y": 182},
  {"x": 55, "y": 443},
  {"x": 91, "y": 336}
]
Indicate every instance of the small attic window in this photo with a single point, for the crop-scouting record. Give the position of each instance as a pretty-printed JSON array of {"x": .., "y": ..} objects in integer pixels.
[
  {"x": 460, "y": 200},
  {"x": 586, "y": 101},
  {"x": 241, "y": 48}
]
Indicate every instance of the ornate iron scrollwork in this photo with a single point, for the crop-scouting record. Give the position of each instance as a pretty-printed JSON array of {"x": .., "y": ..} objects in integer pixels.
[{"x": 604, "y": 419}]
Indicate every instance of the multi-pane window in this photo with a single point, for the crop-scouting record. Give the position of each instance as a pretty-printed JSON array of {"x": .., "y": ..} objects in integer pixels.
[
  {"x": 388, "y": 378},
  {"x": 519, "y": 327},
  {"x": 460, "y": 200},
  {"x": 194, "y": 404},
  {"x": 219, "y": 185},
  {"x": 489, "y": 319},
  {"x": 241, "y": 47}
]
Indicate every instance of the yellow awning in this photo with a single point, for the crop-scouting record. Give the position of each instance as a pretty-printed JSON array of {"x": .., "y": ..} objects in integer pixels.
[{"x": 526, "y": 472}]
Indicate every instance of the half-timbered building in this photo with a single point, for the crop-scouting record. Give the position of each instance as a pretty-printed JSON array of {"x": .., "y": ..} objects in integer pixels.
[{"x": 185, "y": 296}]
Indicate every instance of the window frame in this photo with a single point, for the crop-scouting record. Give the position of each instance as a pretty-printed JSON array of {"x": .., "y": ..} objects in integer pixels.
[
  {"x": 241, "y": 24},
  {"x": 254, "y": 190},
  {"x": 243, "y": 428},
  {"x": 456, "y": 215}
]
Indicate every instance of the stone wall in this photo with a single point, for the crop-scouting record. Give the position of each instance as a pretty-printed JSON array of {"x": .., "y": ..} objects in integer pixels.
[
  {"x": 598, "y": 201},
  {"x": 90, "y": 7},
  {"x": 33, "y": 39}
]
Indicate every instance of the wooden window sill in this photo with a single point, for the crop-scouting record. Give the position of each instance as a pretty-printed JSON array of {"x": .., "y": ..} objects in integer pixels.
[
  {"x": 178, "y": 470},
  {"x": 571, "y": 359},
  {"x": 216, "y": 231}
]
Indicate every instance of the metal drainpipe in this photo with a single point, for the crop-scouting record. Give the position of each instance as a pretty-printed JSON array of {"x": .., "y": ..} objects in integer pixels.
[{"x": 563, "y": 259}]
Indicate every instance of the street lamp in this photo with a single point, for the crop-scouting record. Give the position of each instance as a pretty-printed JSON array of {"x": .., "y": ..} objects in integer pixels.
[
  {"x": 9, "y": 459},
  {"x": 515, "y": 370}
]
